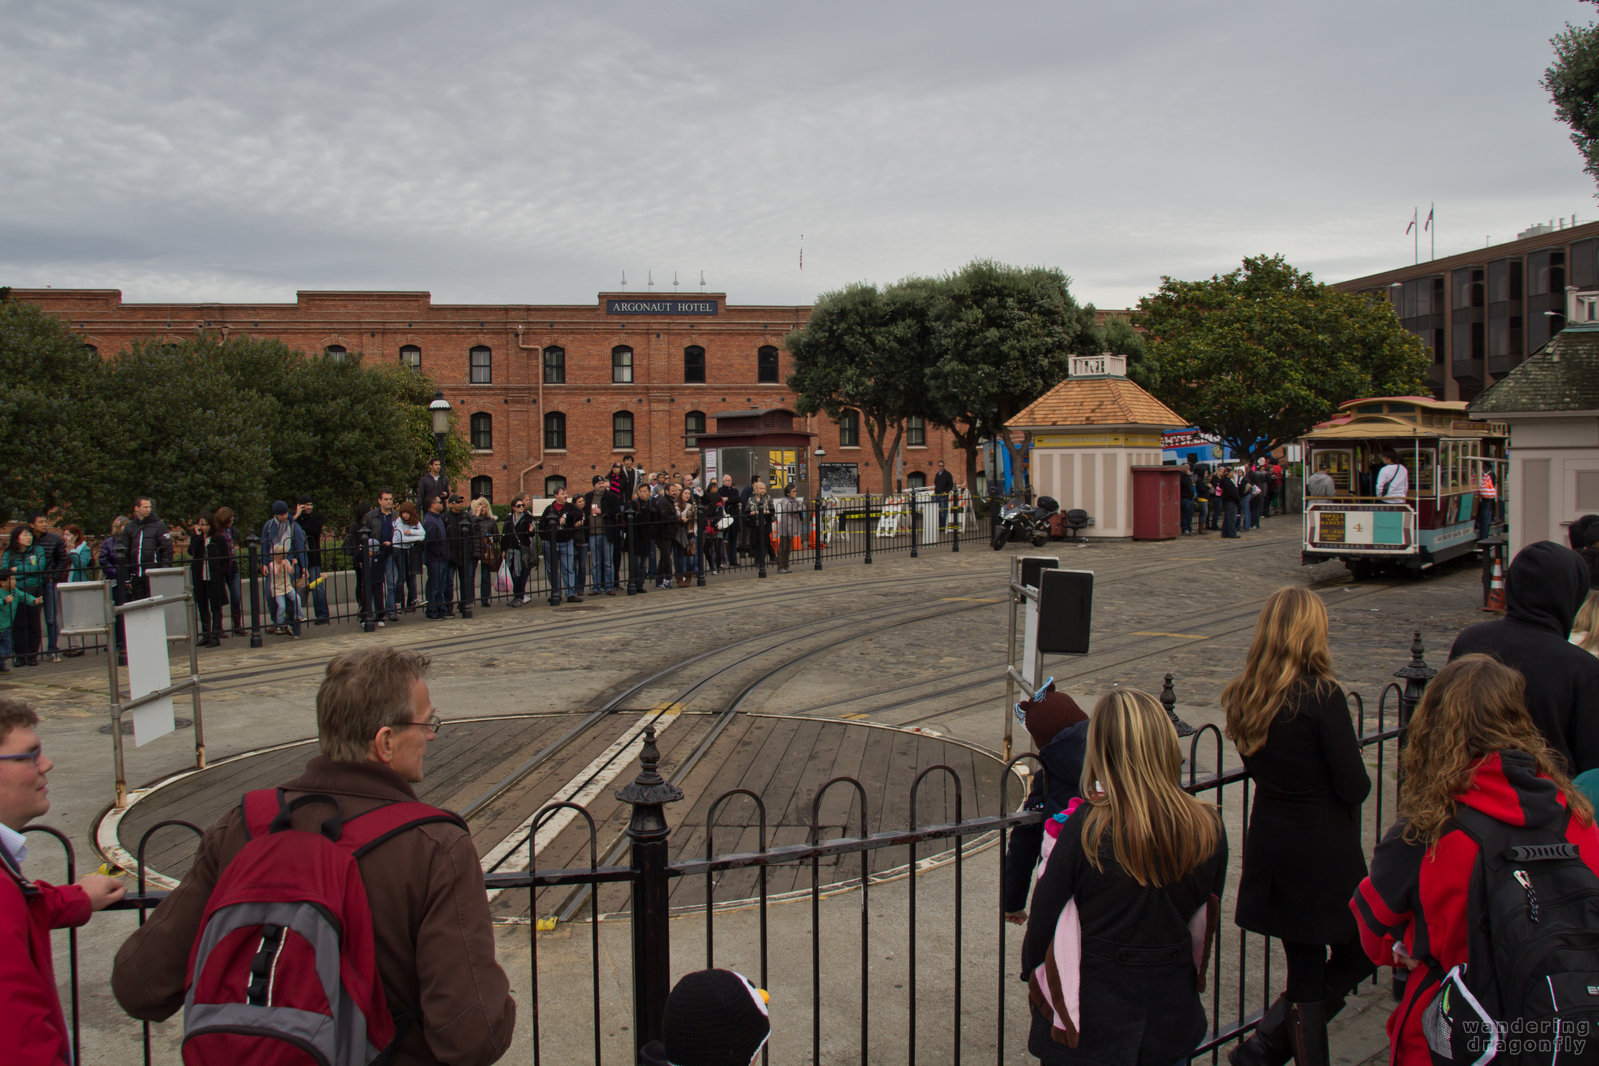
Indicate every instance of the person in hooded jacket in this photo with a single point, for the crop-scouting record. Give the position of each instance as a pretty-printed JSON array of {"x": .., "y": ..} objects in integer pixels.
[
  {"x": 1059, "y": 729},
  {"x": 1303, "y": 857},
  {"x": 1544, "y": 587},
  {"x": 1470, "y": 745}
]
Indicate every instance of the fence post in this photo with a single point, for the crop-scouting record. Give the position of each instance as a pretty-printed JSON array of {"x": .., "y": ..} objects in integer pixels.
[
  {"x": 955, "y": 528},
  {"x": 1168, "y": 700},
  {"x": 252, "y": 559},
  {"x": 699, "y": 548},
  {"x": 870, "y": 532},
  {"x": 1415, "y": 675},
  {"x": 916, "y": 514},
  {"x": 816, "y": 533},
  {"x": 630, "y": 531},
  {"x": 652, "y": 948}
]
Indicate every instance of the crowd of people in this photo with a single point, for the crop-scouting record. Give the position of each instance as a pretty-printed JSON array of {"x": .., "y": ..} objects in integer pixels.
[
  {"x": 439, "y": 552},
  {"x": 1500, "y": 774},
  {"x": 1232, "y": 498}
]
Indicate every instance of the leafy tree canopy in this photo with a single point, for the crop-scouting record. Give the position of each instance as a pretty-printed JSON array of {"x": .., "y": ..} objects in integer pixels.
[
  {"x": 1260, "y": 355},
  {"x": 1572, "y": 82},
  {"x": 213, "y": 420}
]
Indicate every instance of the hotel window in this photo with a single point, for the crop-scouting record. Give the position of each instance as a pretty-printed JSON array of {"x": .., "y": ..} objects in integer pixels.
[
  {"x": 622, "y": 430},
  {"x": 482, "y": 359},
  {"x": 483, "y": 487},
  {"x": 694, "y": 365},
  {"x": 483, "y": 431},
  {"x": 555, "y": 431},
  {"x": 411, "y": 356},
  {"x": 693, "y": 426},
  {"x": 915, "y": 432},
  {"x": 335, "y": 352},
  {"x": 553, "y": 484},
  {"x": 766, "y": 365},
  {"x": 916, "y": 480},
  {"x": 849, "y": 429},
  {"x": 621, "y": 364},
  {"x": 555, "y": 365}
]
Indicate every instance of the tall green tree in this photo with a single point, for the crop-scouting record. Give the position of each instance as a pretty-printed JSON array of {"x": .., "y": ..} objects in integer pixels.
[
  {"x": 1261, "y": 354},
  {"x": 1572, "y": 82},
  {"x": 865, "y": 349},
  {"x": 1001, "y": 336},
  {"x": 48, "y": 415}
]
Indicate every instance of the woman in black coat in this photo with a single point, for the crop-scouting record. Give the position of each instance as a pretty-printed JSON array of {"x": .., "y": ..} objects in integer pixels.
[
  {"x": 1302, "y": 856},
  {"x": 516, "y": 545},
  {"x": 1137, "y": 871}
]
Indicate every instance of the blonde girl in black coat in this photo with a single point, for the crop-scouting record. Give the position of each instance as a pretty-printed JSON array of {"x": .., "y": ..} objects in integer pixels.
[{"x": 1290, "y": 721}]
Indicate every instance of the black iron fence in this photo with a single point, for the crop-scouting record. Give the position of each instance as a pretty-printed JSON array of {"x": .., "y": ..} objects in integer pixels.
[{"x": 954, "y": 992}]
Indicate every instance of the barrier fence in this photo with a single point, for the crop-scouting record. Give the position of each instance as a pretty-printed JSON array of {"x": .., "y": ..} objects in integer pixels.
[{"x": 956, "y": 992}]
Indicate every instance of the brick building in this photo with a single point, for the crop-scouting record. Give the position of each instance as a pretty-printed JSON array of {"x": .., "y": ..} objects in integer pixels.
[
  {"x": 545, "y": 394},
  {"x": 1481, "y": 313}
]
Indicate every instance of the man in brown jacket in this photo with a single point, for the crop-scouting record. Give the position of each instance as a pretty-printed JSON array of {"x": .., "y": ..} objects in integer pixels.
[{"x": 430, "y": 915}]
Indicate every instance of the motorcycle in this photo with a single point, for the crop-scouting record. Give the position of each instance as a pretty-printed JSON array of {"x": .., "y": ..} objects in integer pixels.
[{"x": 1017, "y": 518}]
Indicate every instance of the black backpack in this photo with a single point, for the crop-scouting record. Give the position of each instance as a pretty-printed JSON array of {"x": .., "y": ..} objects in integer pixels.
[{"x": 1529, "y": 990}]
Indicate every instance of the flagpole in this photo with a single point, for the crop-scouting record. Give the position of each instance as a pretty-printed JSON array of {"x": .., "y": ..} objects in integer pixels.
[
  {"x": 1415, "y": 217},
  {"x": 1431, "y": 208}
]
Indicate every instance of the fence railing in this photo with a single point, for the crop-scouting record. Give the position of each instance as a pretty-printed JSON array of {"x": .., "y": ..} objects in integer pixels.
[{"x": 975, "y": 1007}]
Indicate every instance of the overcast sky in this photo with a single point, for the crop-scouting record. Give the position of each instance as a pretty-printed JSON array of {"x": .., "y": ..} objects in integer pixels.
[{"x": 530, "y": 152}]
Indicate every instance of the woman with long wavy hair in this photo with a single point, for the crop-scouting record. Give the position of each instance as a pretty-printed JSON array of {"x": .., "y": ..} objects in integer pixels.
[
  {"x": 1125, "y": 908},
  {"x": 1471, "y": 750},
  {"x": 1289, "y": 719}
]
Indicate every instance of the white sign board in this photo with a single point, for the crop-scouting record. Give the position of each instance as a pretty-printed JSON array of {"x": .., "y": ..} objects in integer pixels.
[
  {"x": 1030, "y": 642},
  {"x": 83, "y": 607},
  {"x": 170, "y": 581},
  {"x": 148, "y": 670}
]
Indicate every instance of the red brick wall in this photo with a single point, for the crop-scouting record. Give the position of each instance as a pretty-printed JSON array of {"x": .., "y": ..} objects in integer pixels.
[{"x": 377, "y": 324}]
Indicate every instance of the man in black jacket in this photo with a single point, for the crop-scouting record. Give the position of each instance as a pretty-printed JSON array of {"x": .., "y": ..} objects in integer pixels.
[
  {"x": 1544, "y": 587},
  {"x": 558, "y": 525},
  {"x": 943, "y": 485},
  {"x": 436, "y": 555},
  {"x": 432, "y": 484},
  {"x": 602, "y": 509},
  {"x": 145, "y": 545},
  {"x": 55, "y": 572},
  {"x": 641, "y": 539},
  {"x": 1231, "y": 497},
  {"x": 466, "y": 548},
  {"x": 307, "y": 518}
]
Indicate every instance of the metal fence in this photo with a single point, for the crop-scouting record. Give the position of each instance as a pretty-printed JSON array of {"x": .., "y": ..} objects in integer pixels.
[{"x": 940, "y": 997}]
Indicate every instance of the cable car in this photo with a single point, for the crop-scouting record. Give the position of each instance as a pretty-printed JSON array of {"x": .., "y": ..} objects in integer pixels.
[{"x": 1445, "y": 454}]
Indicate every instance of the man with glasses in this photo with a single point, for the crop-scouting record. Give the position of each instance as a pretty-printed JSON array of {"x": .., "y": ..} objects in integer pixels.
[
  {"x": 36, "y": 1028},
  {"x": 430, "y": 915}
]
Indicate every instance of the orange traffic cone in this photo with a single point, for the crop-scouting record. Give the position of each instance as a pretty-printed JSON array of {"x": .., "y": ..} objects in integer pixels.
[{"x": 1496, "y": 588}]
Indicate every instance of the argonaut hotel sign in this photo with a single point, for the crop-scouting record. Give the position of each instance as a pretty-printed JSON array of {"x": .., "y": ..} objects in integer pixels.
[{"x": 648, "y": 306}]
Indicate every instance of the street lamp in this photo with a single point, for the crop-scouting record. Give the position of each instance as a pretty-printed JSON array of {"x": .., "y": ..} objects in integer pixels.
[{"x": 440, "y": 410}]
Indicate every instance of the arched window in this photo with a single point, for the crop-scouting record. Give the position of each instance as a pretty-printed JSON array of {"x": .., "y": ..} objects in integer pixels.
[
  {"x": 693, "y": 365},
  {"x": 555, "y": 365},
  {"x": 553, "y": 484},
  {"x": 693, "y": 426},
  {"x": 916, "y": 480},
  {"x": 335, "y": 352},
  {"x": 915, "y": 432},
  {"x": 622, "y": 430},
  {"x": 483, "y": 431},
  {"x": 766, "y": 365},
  {"x": 482, "y": 360},
  {"x": 621, "y": 364},
  {"x": 483, "y": 486},
  {"x": 555, "y": 431},
  {"x": 91, "y": 349},
  {"x": 411, "y": 356},
  {"x": 849, "y": 429}
]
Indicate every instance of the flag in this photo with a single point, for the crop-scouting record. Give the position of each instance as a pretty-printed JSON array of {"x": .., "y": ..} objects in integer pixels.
[
  {"x": 1429, "y": 219},
  {"x": 1412, "y": 221}
]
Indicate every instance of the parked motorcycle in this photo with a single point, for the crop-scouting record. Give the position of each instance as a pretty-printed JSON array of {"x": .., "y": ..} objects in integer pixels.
[{"x": 1018, "y": 519}]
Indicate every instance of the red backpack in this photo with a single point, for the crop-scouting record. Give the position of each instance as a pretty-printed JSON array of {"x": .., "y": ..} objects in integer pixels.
[{"x": 283, "y": 968}]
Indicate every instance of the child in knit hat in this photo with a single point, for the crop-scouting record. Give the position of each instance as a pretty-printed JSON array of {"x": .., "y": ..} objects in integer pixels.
[
  {"x": 1059, "y": 729},
  {"x": 712, "y": 1018}
]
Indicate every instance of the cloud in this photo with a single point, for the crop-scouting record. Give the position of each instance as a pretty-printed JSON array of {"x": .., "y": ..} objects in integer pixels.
[{"x": 512, "y": 152}]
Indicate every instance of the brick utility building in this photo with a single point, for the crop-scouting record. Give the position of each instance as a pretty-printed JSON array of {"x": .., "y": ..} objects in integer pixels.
[
  {"x": 1481, "y": 313},
  {"x": 548, "y": 394}
]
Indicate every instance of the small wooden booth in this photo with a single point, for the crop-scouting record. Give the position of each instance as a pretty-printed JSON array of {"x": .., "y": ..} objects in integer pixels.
[{"x": 1089, "y": 433}]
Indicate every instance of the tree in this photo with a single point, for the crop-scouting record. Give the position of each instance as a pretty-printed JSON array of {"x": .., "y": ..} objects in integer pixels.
[
  {"x": 1573, "y": 84},
  {"x": 1260, "y": 355},
  {"x": 865, "y": 349},
  {"x": 1002, "y": 336},
  {"x": 50, "y": 414}
]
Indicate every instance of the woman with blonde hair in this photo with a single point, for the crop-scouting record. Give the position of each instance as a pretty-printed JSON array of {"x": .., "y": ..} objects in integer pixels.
[
  {"x": 1474, "y": 759},
  {"x": 1289, "y": 719},
  {"x": 1125, "y": 908}
]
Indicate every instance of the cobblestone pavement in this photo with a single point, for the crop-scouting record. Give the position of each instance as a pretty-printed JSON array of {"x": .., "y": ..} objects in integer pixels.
[{"x": 1186, "y": 607}]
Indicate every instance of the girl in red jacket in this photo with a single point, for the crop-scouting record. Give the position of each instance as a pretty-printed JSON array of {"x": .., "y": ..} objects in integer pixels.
[{"x": 1472, "y": 744}]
